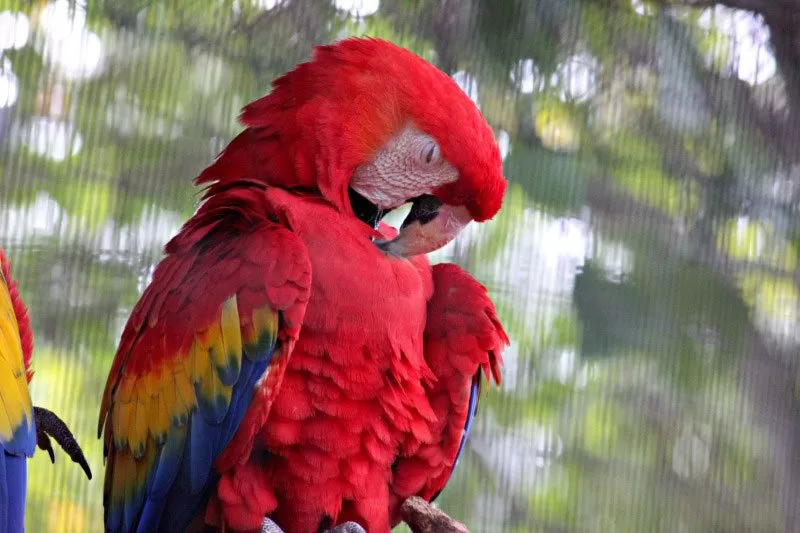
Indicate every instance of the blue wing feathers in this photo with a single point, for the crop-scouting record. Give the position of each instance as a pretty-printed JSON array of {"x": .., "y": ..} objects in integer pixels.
[
  {"x": 14, "y": 476},
  {"x": 13, "y": 485},
  {"x": 134, "y": 502},
  {"x": 183, "y": 509},
  {"x": 229, "y": 374},
  {"x": 474, "y": 394},
  {"x": 197, "y": 457},
  {"x": 167, "y": 466},
  {"x": 213, "y": 409},
  {"x": 114, "y": 518},
  {"x": 23, "y": 441},
  {"x": 184, "y": 476},
  {"x": 240, "y": 401},
  {"x": 168, "y": 463},
  {"x": 3, "y": 492},
  {"x": 17, "y": 477}
]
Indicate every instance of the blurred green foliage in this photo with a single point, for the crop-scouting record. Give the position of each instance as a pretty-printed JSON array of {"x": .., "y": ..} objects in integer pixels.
[{"x": 640, "y": 251}]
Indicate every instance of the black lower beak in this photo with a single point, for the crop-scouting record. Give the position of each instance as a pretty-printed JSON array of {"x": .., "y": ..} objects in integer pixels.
[
  {"x": 365, "y": 210},
  {"x": 423, "y": 209}
]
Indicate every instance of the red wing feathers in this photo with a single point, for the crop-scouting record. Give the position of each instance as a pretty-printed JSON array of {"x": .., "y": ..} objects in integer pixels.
[
  {"x": 223, "y": 310},
  {"x": 462, "y": 337}
]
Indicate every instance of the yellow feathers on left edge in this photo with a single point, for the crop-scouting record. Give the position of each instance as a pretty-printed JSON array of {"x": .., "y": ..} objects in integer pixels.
[{"x": 17, "y": 429}]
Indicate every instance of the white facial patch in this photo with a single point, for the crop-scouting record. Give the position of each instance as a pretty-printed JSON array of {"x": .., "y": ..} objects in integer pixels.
[{"x": 409, "y": 165}]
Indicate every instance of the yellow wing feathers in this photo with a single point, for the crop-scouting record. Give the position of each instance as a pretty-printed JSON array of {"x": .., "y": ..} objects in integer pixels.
[
  {"x": 16, "y": 408},
  {"x": 148, "y": 405}
]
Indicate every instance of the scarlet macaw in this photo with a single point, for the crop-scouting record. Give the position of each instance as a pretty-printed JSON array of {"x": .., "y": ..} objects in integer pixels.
[
  {"x": 22, "y": 426},
  {"x": 294, "y": 357}
]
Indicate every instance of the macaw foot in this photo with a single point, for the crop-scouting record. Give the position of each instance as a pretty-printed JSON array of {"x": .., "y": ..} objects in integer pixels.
[
  {"x": 268, "y": 526},
  {"x": 49, "y": 425}
]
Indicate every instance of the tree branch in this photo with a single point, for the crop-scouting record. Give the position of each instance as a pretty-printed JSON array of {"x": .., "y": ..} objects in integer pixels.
[{"x": 422, "y": 517}]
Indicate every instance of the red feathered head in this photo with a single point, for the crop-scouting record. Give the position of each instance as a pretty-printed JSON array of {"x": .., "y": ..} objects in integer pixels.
[{"x": 361, "y": 99}]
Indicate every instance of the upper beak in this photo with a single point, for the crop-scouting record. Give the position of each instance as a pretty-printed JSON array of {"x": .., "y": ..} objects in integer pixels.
[{"x": 429, "y": 225}]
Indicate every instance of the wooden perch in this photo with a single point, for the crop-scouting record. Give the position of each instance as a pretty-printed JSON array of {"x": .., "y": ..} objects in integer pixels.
[{"x": 422, "y": 517}]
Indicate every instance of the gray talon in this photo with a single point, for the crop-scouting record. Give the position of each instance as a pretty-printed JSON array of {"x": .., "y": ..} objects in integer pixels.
[
  {"x": 268, "y": 526},
  {"x": 347, "y": 527}
]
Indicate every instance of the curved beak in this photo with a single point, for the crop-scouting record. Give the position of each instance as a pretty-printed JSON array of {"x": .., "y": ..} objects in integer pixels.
[{"x": 429, "y": 225}]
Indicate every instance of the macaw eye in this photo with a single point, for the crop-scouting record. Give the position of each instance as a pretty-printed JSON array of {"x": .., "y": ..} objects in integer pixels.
[{"x": 430, "y": 153}]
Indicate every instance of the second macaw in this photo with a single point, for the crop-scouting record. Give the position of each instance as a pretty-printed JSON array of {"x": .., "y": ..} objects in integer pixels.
[
  {"x": 295, "y": 358},
  {"x": 22, "y": 426}
]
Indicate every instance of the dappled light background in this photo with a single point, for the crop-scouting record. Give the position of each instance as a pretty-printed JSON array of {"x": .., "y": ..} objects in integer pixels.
[{"x": 645, "y": 262}]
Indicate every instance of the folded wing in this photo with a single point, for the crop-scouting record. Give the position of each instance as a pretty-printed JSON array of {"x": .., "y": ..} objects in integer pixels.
[
  {"x": 463, "y": 340},
  {"x": 17, "y": 427},
  {"x": 215, "y": 328}
]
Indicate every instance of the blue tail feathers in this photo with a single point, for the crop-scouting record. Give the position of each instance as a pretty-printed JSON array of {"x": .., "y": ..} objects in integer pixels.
[{"x": 13, "y": 486}]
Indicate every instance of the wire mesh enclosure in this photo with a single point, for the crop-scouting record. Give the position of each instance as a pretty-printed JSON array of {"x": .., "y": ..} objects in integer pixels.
[{"x": 645, "y": 262}]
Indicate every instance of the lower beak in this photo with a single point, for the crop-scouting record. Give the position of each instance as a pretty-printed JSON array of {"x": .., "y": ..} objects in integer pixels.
[{"x": 429, "y": 225}]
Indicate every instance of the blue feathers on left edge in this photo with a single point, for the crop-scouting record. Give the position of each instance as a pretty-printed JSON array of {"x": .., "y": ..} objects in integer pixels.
[{"x": 14, "y": 477}]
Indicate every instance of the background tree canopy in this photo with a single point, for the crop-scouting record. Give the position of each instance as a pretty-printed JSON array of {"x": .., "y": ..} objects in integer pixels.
[{"x": 646, "y": 261}]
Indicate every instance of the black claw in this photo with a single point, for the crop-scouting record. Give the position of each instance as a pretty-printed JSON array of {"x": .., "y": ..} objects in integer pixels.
[
  {"x": 268, "y": 526},
  {"x": 347, "y": 527},
  {"x": 43, "y": 441},
  {"x": 49, "y": 425}
]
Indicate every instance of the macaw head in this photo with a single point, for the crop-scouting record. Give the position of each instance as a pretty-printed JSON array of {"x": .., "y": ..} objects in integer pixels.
[{"x": 373, "y": 126}]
